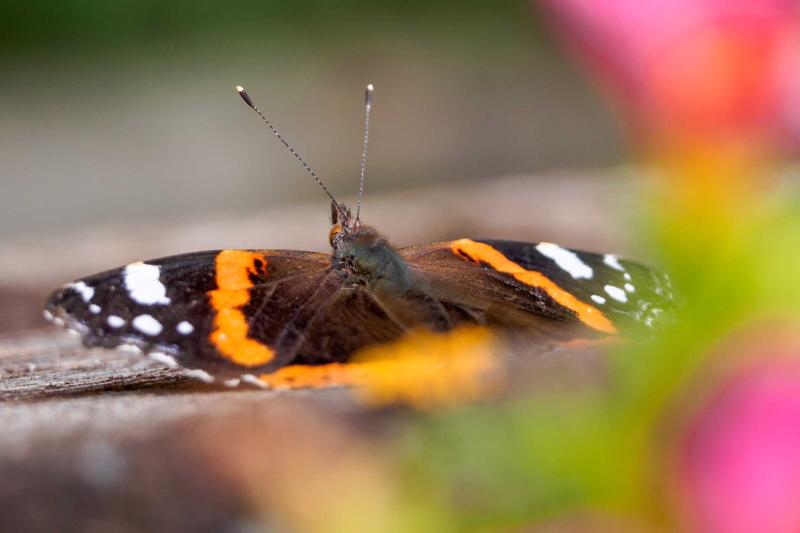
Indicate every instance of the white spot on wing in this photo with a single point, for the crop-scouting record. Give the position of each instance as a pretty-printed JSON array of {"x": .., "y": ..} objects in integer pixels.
[
  {"x": 613, "y": 262},
  {"x": 202, "y": 375},
  {"x": 129, "y": 348},
  {"x": 143, "y": 284},
  {"x": 250, "y": 379},
  {"x": 616, "y": 293},
  {"x": 629, "y": 287},
  {"x": 184, "y": 328},
  {"x": 164, "y": 359},
  {"x": 627, "y": 276},
  {"x": 83, "y": 289},
  {"x": 566, "y": 260},
  {"x": 599, "y": 299},
  {"x": 147, "y": 325},
  {"x": 234, "y": 382},
  {"x": 115, "y": 321},
  {"x": 47, "y": 315},
  {"x": 94, "y": 309}
]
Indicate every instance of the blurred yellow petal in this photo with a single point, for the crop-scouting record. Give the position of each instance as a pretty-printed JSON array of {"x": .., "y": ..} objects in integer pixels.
[
  {"x": 428, "y": 370},
  {"x": 424, "y": 370}
]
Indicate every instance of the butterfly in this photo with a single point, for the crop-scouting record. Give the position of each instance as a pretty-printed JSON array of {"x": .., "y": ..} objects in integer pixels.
[{"x": 233, "y": 314}]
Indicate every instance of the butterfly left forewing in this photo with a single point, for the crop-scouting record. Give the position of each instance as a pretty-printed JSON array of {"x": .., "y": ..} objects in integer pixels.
[
  {"x": 103, "y": 307},
  {"x": 197, "y": 310}
]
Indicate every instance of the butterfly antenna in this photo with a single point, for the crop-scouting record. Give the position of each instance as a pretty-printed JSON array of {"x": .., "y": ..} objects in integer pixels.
[
  {"x": 367, "y": 109},
  {"x": 254, "y": 107}
]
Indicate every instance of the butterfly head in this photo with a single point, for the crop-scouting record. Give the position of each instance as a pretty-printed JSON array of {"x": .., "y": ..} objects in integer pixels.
[
  {"x": 362, "y": 254},
  {"x": 342, "y": 224}
]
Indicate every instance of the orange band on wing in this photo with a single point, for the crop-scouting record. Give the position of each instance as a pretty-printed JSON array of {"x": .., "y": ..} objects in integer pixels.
[
  {"x": 478, "y": 251},
  {"x": 230, "y": 335},
  {"x": 313, "y": 377}
]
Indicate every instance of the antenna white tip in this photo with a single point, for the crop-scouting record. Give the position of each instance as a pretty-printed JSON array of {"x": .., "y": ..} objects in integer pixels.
[
  {"x": 245, "y": 96},
  {"x": 368, "y": 95}
]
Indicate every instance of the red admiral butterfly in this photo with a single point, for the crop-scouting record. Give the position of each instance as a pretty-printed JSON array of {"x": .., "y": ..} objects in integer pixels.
[{"x": 231, "y": 313}]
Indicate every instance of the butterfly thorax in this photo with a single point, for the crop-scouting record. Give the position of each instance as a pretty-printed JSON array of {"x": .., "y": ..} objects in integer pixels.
[{"x": 364, "y": 258}]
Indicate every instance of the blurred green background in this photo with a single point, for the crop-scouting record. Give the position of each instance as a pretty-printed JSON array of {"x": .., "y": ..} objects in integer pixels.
[{"x": 126, "y": 110}]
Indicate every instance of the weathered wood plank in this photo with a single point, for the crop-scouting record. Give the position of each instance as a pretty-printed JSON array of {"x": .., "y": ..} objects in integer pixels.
[{"x": 49, "y": 362}]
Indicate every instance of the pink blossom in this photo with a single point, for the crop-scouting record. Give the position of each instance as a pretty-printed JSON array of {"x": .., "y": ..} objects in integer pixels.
[
  {"x": 739, "y": 465},
  {"x": 718, "y": 70}
]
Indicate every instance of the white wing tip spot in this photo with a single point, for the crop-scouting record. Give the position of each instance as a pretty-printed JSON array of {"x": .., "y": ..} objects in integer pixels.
[
  {"x": 598, "y": 299},
  {"x": 94, "y": 309},
  {"x": 629, "y": 287},
  {"x": 85, "y": 291},
  {"x": 129, "y": 348},
  {"x": 184, "y": 328},
  {"x": 164, "y": 359},
  {"x": 616, "y": 293},
  {"x": 147, "y": 325},
  {"x": 197, "y": 373},
  {"x": 566, "y": 260},
  {"x": 115, "y": 321},
  {"x": 613, "y": 261},
  {"x": 143, "y": 284},
  {"x": 250, "y": 379}
]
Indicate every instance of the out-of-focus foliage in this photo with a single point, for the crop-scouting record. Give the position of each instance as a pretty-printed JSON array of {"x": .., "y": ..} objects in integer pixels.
[{"x": 82, "y": 25}]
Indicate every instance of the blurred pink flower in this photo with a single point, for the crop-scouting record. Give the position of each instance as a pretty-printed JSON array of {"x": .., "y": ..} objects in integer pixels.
[
  {"x": 739, "y": 466},
  {"x": 712, "y": 70}
]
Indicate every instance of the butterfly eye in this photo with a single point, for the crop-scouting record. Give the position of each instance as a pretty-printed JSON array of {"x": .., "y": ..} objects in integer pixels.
[{"x": 335, "y": 231}]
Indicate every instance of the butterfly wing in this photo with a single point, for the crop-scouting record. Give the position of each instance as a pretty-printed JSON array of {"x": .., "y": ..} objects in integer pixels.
[
  {"x": 234, "y": 312},
  {"x": 223, "y": 311},
  {"x": 508, "y": 280}
]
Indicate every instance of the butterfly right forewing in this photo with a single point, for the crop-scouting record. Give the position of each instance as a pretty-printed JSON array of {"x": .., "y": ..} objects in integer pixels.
[{"x": 507, "y": 281}]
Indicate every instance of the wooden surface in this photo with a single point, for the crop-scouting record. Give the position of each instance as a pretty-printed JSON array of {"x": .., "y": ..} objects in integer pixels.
[
  {"x": 50, "y": 363},
  {"x": 102, "y": 440},
  {"x": 121, "y": 443}
]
